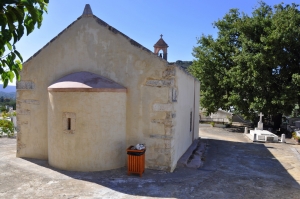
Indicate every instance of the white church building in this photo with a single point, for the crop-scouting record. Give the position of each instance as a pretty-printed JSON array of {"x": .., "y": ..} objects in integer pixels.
[{"x": 92, "y": 91}]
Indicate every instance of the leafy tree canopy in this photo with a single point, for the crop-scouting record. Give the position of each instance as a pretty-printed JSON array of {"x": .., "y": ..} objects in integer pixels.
[
  {"x": 254, "y": 63},
  {"x": 15, "y": 17}
]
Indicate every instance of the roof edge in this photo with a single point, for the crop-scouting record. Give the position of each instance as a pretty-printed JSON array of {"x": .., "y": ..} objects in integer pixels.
[
  {"x": 102, "y": 23},
  {"x": 118, "y": 90},
  {"x": 180, "y": 68},
  {"x": 54, "y": 38}
]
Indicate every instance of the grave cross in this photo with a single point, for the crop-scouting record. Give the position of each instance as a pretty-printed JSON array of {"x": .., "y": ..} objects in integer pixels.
[{"x": 260, "y": 115}]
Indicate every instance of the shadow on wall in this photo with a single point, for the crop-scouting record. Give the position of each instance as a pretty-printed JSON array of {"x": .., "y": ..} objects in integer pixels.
[{"x": 231, "y": 170}]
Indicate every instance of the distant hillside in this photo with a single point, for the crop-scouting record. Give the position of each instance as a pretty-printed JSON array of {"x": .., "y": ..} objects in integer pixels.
[
  {"x": 8, "y": 92},
  {"x": 11, "y": 95},
  {"x": 184, "y": 64},
  {"x": 8, "y": 89}
]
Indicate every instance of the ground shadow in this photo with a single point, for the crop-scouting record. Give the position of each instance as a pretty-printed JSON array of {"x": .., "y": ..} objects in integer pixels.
[
  {"x": 231, "y": 170},
  {"x": 239, "y": 129}
]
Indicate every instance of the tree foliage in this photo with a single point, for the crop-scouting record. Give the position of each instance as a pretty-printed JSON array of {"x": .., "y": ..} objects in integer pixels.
[
  {"x": 15, "y": 17},
  {"x": 6, "y": 128},
  {"x": 253, "y": 64}
]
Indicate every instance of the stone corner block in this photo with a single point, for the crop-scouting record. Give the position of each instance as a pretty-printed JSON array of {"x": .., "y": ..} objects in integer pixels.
[
  {"x": 171, "y": 72},
  {"x": 23, "y": 112},
  {"x": 160, "y": 83},
  {"x": 25, "y": 85},
  {"x": 162, "y": 107}
]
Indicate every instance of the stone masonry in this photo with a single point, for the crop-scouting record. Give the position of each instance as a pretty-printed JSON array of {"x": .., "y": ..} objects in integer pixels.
[{"x": 165, "y": 148}]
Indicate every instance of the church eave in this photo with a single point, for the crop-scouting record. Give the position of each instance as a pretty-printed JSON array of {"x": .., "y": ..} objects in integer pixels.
[
  {"x": 84, "y": 81},
  {"x": 35, "y": 54},
  {"x": 114, "y": 30},
  {"x": 180, "y": 68},
  {"x": 102, "y": 23},
  {"x": 87, "y": 90}
]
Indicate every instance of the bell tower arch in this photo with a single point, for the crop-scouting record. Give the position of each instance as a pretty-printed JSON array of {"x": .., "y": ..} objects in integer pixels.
[{"x": 161, "y": 45}]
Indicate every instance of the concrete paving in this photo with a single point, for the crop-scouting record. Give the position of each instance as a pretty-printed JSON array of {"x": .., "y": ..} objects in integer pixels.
[
  {"x": 192, "y": 158},
  {"x": 234, "y": 167}
]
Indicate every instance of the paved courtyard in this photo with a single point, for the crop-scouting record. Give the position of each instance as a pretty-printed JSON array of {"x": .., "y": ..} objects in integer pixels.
[{"x": 234, "y": 168}]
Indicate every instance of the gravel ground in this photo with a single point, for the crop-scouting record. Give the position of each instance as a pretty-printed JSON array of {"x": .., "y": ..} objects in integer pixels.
[{"x": 234, "y": 167}]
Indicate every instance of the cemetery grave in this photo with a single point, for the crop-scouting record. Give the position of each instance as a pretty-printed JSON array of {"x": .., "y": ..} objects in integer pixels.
[{"x": 261, "y": 135}]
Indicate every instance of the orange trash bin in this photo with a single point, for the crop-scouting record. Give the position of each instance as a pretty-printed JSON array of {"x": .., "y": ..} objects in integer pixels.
[{"x": 135, "y": 161}]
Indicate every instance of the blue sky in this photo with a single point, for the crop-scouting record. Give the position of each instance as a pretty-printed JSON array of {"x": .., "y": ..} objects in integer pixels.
[{"x": 181, "y": 22}]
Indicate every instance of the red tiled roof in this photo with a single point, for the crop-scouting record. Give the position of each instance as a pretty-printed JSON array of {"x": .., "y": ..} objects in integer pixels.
[{"x": 161, "y": 44}]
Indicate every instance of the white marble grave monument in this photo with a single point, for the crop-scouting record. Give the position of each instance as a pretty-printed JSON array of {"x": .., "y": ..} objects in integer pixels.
[
  {"x": 260, "y": 125},
  {"x": 262, "y": 135}
]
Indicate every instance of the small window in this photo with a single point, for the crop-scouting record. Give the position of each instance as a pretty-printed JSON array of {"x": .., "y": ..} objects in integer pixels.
[
  {"x": 191, "y": 120},
  {"x": 69, "y": 124}
]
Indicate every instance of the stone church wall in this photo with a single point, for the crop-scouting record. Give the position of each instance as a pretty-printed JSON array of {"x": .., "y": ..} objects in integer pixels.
[
  {"x": 172, "y": 128},
  {"x": 155, "y": 89},
  {"x": 162, "y": 114},
  {"x": 91, "y": 45}
]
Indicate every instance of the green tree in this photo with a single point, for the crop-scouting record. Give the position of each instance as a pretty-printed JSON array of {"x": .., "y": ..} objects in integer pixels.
[
  {"x": 15, "y": 17},
  {"x": 254, "y": 63},
  {"x": 6, "y": 127}
]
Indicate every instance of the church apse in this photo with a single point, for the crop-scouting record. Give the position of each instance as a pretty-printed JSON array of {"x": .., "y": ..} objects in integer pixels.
[{"x": 81, "y": 136}]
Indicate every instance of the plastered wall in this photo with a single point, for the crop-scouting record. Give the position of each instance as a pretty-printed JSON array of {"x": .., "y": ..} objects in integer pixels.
[
  {"x": 89, "y": 45},
  {"x": 187, "y": 103},
  {"x": 156, "y": 99},
  {"x": 94, "y": 139}
]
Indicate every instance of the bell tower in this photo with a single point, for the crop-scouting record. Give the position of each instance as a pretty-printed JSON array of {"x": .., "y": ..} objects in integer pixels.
[{"x": 161, "y": 45}]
